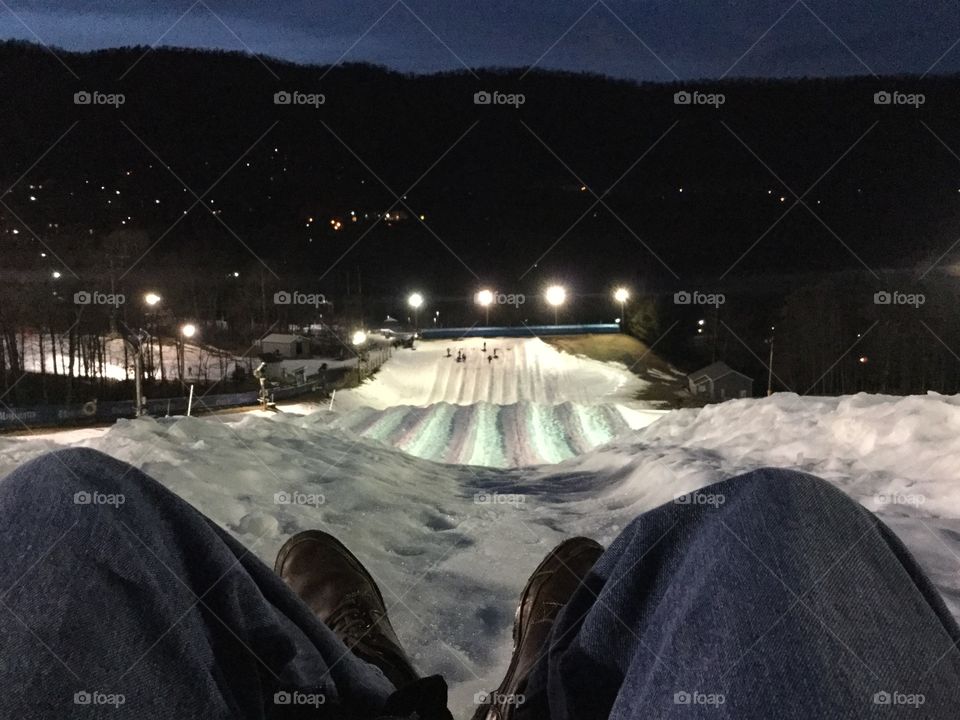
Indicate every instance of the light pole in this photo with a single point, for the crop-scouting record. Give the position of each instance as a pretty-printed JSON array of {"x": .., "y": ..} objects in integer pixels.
[
  {"x": 770, "y": 364},
  {"x": 556, "y": 295},
  {"x": 484, "y": 298},
  {"x": 152, "y": 300},
  {"x": 187, "y": 331},
  {"x": 137, "y": 341},
  {"x": 415, "y": 301},
  {"x": 621, "y": 296},
  {"x": 139, "y": 409},
  {"x": 358, "y": 339}
]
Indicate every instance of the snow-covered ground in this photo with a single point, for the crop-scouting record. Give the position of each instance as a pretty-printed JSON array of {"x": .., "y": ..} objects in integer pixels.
[{"x": 451, "y": 545}]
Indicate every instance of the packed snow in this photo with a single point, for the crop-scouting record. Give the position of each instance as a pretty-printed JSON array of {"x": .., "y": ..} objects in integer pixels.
[{"x": 452, "y": 544}]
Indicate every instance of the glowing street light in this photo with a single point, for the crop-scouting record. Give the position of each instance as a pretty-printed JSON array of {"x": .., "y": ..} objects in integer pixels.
[
  {"x": 621, "y": 295},
  {"x": 556, "y": 295},
  {"x": 484, "y": 298},
  {"x": 151, "y": 299},
  {"x": 55, "y": 275},
  {"x": 359, "y": 337},
  {"x": 415, "y": 301},
  {"x": 187, "y": 331}
]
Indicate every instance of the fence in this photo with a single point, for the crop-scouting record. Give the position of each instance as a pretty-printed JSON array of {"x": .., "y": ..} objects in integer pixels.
[
  {"x": 521, "y": 331},
  {"x": 99, "y": 412}
]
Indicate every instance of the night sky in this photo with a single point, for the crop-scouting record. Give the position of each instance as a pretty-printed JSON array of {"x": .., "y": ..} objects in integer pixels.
[{"x": 651, "y": 40}]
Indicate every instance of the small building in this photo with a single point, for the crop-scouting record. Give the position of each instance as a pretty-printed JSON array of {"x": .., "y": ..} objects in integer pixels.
[
  {"x": 285, "y": 345},
  {"x": 718, "y": 382}
]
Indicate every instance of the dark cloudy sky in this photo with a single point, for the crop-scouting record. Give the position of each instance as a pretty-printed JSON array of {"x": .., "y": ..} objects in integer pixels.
[{"x": 646, "y": 40}]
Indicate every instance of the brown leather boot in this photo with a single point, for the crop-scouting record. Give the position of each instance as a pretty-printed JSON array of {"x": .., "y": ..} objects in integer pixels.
[
  {"x": 547, "y": 591},
  {"x": 338, "y": 588}
]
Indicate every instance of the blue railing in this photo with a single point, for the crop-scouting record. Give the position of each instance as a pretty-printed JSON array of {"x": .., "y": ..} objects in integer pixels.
[{"x": 518, "y": 331}]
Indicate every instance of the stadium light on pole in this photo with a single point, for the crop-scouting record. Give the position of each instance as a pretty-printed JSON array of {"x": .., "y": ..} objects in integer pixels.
[
  {"x": 485, "y": 299},
  {"x": 621, "y": 295},
  {"x": 187, "y": 331},
  {"x": 556, "y": 295},
  {"x": 415, "y": 301}
]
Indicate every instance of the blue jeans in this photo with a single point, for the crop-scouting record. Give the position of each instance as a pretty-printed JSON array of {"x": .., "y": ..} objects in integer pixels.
[{"x": 771, "y": 595}]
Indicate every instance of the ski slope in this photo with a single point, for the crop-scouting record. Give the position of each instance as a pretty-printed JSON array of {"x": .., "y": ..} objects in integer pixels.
[
  {"x": 526, "y": 369},
  {"x": 451, "y": 545},
  {"x": 531, "y": 405}
]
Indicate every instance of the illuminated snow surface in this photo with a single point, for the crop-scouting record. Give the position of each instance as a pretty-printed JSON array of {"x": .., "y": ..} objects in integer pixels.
[{"x": 452, "y": 567}]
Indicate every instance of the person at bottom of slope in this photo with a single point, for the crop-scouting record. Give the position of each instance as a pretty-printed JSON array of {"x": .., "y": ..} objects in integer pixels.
[{"x": 769, "y": 595}]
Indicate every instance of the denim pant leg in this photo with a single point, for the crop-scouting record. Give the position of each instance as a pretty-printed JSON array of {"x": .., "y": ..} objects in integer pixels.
[
  {"x": 769, "y": 595},
  {"x": 121, "y": 600}
]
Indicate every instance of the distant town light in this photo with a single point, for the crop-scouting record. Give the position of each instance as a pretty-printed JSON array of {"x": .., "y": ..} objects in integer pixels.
[
  {"x": 56, "y": 274},
  {"x": 701, "y": 323}
]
